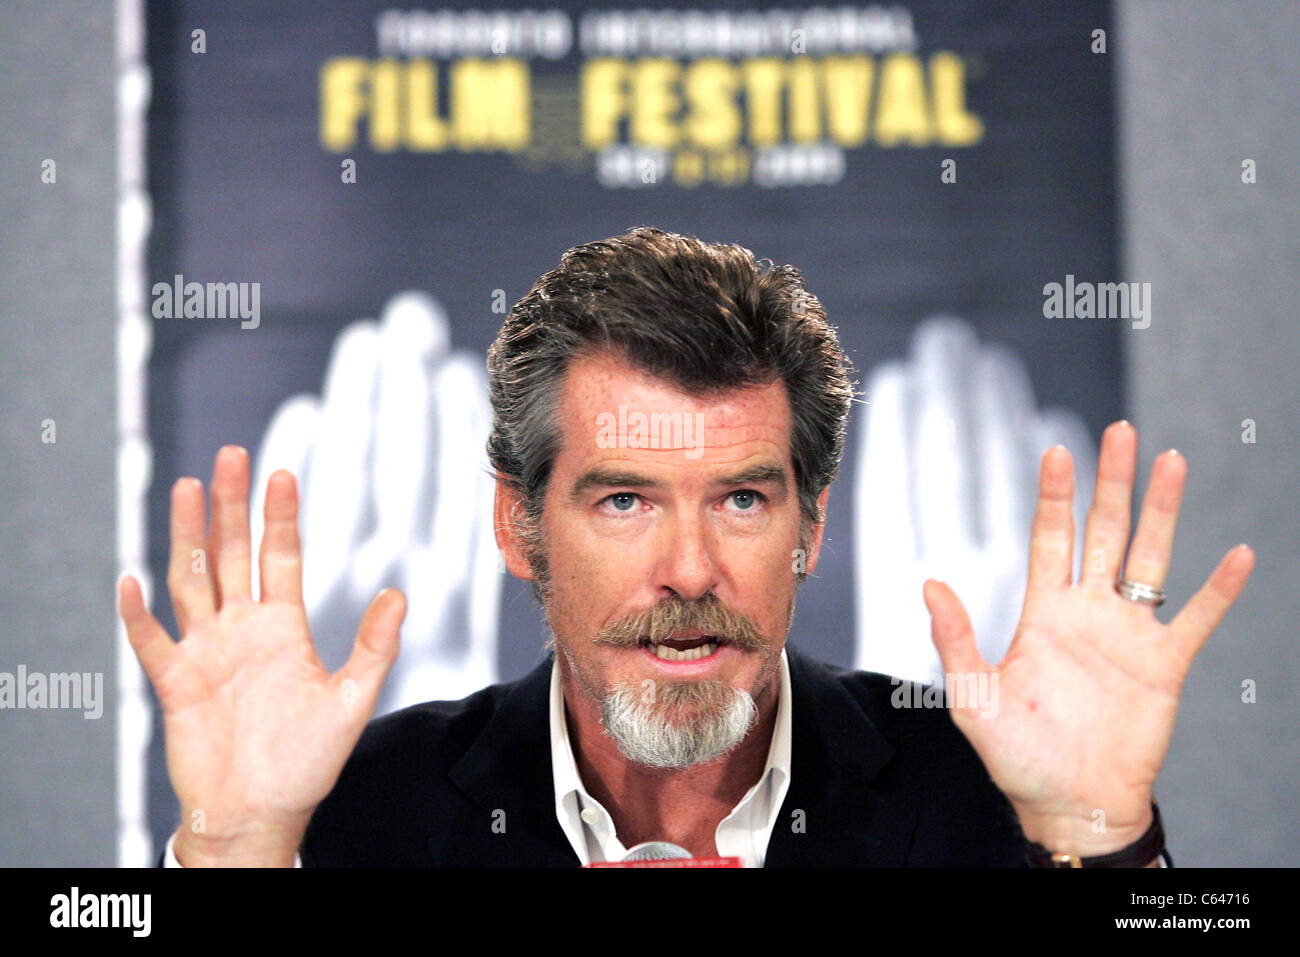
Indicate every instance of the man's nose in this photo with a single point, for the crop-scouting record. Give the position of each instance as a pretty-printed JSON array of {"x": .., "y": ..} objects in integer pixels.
[{"x": 688, "y": 565}]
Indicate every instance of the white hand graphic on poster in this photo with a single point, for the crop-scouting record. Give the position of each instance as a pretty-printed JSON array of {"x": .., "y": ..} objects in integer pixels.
[
  {"x": 390, "y": 461},
  {"x": 946, "y": 481}
]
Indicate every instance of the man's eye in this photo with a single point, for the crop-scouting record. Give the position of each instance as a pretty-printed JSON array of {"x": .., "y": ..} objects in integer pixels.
[
  {"x": 746, "y": 499},
  {"x": 622, "y": 501}
]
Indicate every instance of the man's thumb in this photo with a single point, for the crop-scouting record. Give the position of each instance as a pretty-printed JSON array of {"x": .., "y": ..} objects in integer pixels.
[
  {"x": 378, "y": 639},
  {"x": 951, "y": 631}
]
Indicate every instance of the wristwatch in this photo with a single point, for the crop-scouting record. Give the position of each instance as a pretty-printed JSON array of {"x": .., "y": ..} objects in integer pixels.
[{"x": 1138, "y": 854}]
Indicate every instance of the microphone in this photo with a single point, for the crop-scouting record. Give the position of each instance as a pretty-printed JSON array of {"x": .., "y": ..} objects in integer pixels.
[
  {"x": 656, "y": 851},
  {"x": 664, "y": 854}
]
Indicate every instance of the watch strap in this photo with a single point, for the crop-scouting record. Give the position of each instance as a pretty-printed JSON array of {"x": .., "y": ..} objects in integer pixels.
[{"x": 1138, "y": 854}]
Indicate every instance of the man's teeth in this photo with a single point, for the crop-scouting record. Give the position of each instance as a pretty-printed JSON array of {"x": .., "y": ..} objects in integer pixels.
[{"x": 690, "y": 654}]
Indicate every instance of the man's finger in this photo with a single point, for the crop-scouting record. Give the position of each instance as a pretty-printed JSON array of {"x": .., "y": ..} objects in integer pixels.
[
  {"x": 229, "y": 538},
  {"x": 287, "y": 445},
  {"x": 375, "y": 649},
  {"x": 951, "y": 630},
  {"x": 1051, "y": 544},
  {"x": 1204, "y": 610},
  {"x": 280, "y": 559},
  {"x": 152, "y": 645},
  {"x": 1110, "y": 516},
  {"x": 189, "y": 577},
  {"x": 1148, "y": 557}
]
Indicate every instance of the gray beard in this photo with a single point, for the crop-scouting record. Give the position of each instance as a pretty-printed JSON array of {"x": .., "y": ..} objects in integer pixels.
[{"x": 685, "y": 724}]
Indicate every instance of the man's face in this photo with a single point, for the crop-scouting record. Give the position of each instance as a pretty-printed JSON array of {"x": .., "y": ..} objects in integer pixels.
[{"x": 671, "y": 568}]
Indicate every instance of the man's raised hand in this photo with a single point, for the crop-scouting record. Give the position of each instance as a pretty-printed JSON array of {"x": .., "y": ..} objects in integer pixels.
[
  {"x": 1087, "y": 694},
  {"x": 257, "y": 729}
]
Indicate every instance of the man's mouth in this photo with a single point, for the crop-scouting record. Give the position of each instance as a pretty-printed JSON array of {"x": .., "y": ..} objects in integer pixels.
[{"x": 689, "y": 648}]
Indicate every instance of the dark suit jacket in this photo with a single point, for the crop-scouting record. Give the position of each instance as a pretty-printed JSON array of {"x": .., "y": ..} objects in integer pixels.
[{"x": 878, "y": 786}]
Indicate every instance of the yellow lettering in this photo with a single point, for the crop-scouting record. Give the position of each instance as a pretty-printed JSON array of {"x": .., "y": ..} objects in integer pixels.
[
  {"x": 711, "y": 105},
  {"x": 763, "y": 91},
  {"x": 956, "y": 127},
  {"x": 490, "y": 104},
  {"x": 713, "y": 117},
  {"x": 688, "y": 168},
  {"x": 385, "y": 106},
  {"x": 730, "y": 168},
  {"x": 805, "y": 104},
  {"x": 902, "y": 113},
  {"x": 848, "y": 97},
  {"x": 426, "y": 130},
  {"x": 604, "y": 101},
  {"x": 342, "y": 101},
  {"x": 655, "y": 102}
]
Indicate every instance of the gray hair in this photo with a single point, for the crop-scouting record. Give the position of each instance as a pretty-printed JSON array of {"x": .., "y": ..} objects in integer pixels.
[{"x": 646, "y": 732}]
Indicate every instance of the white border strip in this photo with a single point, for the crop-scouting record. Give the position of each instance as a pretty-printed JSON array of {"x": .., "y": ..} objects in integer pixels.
[{"x": 134, "y": 455}]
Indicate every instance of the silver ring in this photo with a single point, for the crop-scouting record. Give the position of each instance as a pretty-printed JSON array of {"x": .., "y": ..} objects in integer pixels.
[{"x": 1144, "y": 594}]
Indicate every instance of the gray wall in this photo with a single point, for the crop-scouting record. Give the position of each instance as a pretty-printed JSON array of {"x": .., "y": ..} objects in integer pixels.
[
  {"x": 57, "y": 796},
  {"x": 1202, "y": 86}
]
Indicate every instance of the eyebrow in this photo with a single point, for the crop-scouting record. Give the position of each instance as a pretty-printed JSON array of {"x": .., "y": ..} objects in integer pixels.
[{"x": 600, "y": 477}]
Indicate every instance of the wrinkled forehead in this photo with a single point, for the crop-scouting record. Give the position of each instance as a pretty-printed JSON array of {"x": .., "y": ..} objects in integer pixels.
[{"x": 609, "y": 406}]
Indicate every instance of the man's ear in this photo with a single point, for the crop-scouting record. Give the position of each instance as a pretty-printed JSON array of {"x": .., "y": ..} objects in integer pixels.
[
  {"x": 815, "y": 546},
  {"x": 507, "y": 513}
]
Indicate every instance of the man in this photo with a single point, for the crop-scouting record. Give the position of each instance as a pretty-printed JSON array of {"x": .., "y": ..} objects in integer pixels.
[{"x": 668, "y": 420}]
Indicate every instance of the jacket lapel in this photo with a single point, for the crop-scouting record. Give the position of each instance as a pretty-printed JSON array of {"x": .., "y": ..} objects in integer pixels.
[
  {"x": 832, "y": 815},
  {"x": 507, "y": 773}
]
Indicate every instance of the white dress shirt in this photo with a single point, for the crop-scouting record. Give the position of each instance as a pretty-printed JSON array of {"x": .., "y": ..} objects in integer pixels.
[{"x": 744, "y": 833}]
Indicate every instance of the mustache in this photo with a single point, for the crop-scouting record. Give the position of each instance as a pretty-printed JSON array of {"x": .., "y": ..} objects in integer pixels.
[{"x": 708, "y": 615}]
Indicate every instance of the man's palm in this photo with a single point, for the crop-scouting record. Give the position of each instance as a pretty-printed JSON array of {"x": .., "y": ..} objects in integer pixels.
[
  {"x": 257, "y": 729},
  {"x": 1083, "y": 705}
]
